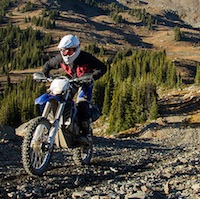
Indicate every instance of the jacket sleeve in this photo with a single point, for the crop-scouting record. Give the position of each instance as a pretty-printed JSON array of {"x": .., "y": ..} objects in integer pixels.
[
  {"x": 53, "y": 63},
  {"x": 98, "y": 67}
]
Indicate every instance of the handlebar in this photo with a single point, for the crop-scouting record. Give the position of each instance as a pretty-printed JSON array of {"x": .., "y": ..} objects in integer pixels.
[{"x": 86, "y": 78}]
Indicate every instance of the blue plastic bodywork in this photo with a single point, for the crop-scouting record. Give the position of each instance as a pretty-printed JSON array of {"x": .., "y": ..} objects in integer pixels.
[{"x": 45, "y": 98}]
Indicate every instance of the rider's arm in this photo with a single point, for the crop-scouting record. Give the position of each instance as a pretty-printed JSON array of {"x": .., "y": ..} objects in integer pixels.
[
  {"x": 53, "y": 63},
  {"x": 98, "y": 67}
]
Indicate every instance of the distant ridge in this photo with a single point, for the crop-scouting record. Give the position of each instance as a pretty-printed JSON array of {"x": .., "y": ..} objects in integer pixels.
[{"x": 187, "y": 10}]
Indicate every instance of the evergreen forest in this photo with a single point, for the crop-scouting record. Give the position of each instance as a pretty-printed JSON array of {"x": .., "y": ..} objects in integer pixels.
[
  {"x": 127, "y": 94},
  {"x": 17, "y": 102},
  {"x": 22, "y": 49}
]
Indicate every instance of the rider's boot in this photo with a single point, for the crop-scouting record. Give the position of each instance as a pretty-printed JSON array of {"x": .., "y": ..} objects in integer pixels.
[{"x": 86, "y": 131}]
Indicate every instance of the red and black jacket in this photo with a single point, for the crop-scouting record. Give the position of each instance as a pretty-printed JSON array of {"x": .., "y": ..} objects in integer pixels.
[{"x": 84, "y": 63}]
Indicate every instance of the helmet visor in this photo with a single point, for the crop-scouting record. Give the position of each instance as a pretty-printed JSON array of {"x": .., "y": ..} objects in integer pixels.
[{"x": 68, "y": 51}]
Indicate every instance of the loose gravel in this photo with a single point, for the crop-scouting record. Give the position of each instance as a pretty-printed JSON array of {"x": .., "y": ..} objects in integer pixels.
[{"x": 122, "y": 168}]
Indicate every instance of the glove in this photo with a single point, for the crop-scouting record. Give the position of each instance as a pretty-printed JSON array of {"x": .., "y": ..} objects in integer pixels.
[
  {"x": 96, "y": 74},
  {"x": 38, "y": 76},
  {"x": 86, "y": 79}
]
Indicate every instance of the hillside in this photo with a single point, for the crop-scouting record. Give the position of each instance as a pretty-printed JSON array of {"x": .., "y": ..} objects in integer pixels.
[
  {"x": 188, "y": 12},
  {"x": 93, "y": 24},
  {"x": 158, "y": 159}
]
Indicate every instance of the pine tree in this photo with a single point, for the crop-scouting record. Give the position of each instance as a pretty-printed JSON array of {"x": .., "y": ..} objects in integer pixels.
[
  {"x": 98, "y": 93},
  {"x": 129, "y": 120},
  {"x": 108, "y": 97},
  {"x": 153, "y": 112},
  {"x": 178, "y": 34},
  {"x": 171, "y": 76},
  {"x": 197, "y": 76},
  {"x": 179, "y": 82},
  {"x": 114, "y": 112}
]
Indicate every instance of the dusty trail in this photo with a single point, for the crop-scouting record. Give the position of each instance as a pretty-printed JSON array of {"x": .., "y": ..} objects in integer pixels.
[{"x": 120, "y": 167}]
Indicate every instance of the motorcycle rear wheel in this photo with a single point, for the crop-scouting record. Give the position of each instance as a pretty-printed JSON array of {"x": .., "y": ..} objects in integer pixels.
[
  {"x": 36, "y": 153},
  {"x": 83, "y": 154}
]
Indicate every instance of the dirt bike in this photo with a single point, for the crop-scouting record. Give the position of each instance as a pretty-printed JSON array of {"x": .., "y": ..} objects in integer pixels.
[{"x": 57, "y": 126}]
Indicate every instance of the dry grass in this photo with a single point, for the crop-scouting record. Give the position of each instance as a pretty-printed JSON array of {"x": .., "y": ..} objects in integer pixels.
[{"x": 101, "y": 28}]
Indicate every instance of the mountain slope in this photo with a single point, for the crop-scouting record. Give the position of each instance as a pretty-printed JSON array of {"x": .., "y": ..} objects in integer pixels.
[
  {"x": 93, "y": 24},
  {"x": 189, "y": 11}
]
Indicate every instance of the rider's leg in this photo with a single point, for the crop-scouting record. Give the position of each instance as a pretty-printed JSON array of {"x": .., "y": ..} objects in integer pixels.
[
  {"x": 83, "y": 100},
  {"x": 84, "y": 117}
]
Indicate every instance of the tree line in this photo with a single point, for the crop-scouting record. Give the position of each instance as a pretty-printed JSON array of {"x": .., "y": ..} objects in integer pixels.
[
  {"x": 47, "y": 20},
  {"x": 22, "y": 49},
  {"x": 17, "y": 102},
  {"x": 127, "y": 94},
  {"x": 146, "y": 18}
]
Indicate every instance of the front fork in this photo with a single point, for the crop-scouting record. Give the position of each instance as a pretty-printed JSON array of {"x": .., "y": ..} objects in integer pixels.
[{"x": 55, "y": 123}]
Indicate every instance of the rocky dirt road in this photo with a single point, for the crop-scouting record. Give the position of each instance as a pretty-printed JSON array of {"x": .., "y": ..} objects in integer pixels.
[
  {"x": 131, "y": 167},
  {"x": 159, "y": 162}
]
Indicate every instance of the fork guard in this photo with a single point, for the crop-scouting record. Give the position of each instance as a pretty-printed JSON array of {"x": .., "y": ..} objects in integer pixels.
[{"x": 45, "y": 98}]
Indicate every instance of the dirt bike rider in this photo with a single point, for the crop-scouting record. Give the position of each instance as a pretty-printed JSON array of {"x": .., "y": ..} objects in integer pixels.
[{"x": 76, "y": 63}]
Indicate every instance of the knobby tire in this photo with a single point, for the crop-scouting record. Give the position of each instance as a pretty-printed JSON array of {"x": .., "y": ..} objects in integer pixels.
[{"x": 27, "y": 152}]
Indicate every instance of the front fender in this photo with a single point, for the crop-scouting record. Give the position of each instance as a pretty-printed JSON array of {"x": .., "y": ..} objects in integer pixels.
[{"x": 45, "y": 98}]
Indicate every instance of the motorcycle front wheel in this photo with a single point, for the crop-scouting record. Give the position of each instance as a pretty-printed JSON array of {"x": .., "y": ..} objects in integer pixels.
[{"x": 36, "y": 153}]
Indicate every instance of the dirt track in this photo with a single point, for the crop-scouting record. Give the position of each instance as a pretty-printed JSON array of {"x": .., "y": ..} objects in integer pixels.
[{"x": 121, "y": 167}]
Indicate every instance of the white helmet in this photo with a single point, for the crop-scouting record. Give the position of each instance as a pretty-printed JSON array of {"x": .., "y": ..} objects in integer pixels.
[{"x": 69, "y": 42}]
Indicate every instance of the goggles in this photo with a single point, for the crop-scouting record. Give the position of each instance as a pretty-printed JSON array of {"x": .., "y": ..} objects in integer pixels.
[{"x": 68, "y": 51}]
